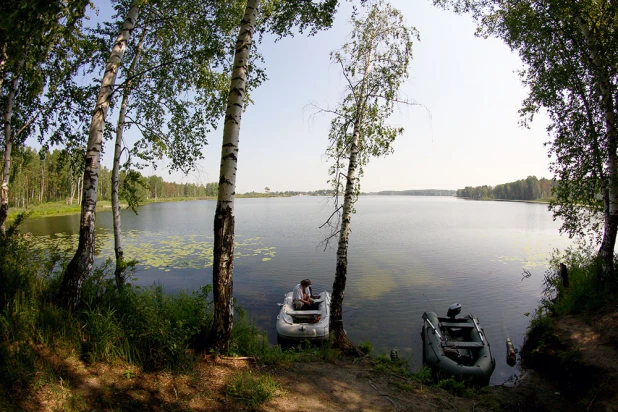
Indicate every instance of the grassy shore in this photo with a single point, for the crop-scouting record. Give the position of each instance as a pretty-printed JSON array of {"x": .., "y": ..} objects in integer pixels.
[{"x": 63, "y": 208}]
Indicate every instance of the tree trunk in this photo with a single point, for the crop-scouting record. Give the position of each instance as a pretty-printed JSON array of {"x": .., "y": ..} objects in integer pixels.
[
  {"x": 610, "y": 197},
  {"x": 340, "y": 339},
  {"x": 82, "y": 263},
  {"x": 42, "y": 185},
  {"x": 223, "y": 265},
  {"x": 3, "y": 59},
  {"x": 119, "y": 272},
  {"x": 8, "y": 145}
]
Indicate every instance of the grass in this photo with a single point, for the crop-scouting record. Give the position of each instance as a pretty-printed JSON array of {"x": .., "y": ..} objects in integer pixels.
[
  {"x": 586, "y": 292},
  {"x": 61, "y": 208},
  {"x": 253, "y": 390}
]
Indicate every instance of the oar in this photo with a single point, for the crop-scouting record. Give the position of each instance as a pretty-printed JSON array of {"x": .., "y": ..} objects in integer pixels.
[
  {"x": 476, "y": 325},
  {"x": 433, "y": 327}
]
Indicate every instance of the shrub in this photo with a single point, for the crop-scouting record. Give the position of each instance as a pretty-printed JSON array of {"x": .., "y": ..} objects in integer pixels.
[
  {"x": 586, "y": 291},
  {"x": 541, "y": 327},
  {"x": 423, "y": 376},
  {"x": 453, "y": 386},
  {"x": 365, "y": 347},
  {"x": 141, "y": 325}
]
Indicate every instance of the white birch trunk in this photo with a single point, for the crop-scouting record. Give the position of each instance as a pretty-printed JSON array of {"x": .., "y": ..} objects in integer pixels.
[
  {"x": 223, "y": 265},
  {"x": 116, "y": 168},
  {"x": 73, "y": 190},
  {"x": 42, "y": 186},
  {"x": 82, "y": 263},
  {"x": 336, "y": 318},
  {"x": 3, "y": 59},
  {"x": 8, "y": 145},
  {"x": 610, "y": 198}
]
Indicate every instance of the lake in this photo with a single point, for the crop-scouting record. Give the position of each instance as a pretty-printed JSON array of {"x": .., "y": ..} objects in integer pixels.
[{"x": 407, "y": 255}]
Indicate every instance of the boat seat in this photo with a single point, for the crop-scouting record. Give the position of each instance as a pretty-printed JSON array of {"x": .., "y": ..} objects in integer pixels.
[
  {"x": 462, "y": 345},
  {"x": 303, "y": 312},
  {"x": 456, "y": 325}
]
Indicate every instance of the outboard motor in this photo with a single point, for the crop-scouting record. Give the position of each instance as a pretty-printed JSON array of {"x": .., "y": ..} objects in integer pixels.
[{"x": 454, "y": 310}]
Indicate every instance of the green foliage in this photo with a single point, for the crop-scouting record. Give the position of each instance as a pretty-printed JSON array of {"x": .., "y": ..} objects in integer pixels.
[
  {"x": 374, "y": 64},
  {"x": 423, "y": 376},
  {"x": 279, "y": 17},
  {"x": 530, "y": 188},
  {"x": 131, "y": 189},
  {"x": 20, "y": 284},
  {"x": 141, "y": 325},
  {"x": 48, "y": 182},
  {"x": 104, "y": 338},
  {"x": 568, "y": 49},
  {"x": 453, "y": 386},
  {"x": 43, "y": 47},
  {"x": 398, "y": 366},
  {"x": 253, "y": 390},
  {"x": 366, "y": 347},
  {"x": 541, "y": 327},
  {"x": 586, "y": 292},
  {"x": 20, "y": 297}
]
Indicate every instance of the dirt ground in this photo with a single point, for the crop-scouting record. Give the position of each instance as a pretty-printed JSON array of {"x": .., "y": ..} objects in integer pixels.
[
  {"x": 325, "y": 386},
  {"x": 311, "y": 386}
]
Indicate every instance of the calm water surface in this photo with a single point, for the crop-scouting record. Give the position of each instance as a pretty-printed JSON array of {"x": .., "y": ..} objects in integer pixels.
[{"x": 406, "y": 253}]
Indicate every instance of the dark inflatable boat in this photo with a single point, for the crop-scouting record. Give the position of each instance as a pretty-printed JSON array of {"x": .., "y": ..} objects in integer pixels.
[{"x": 454, "y": 346}]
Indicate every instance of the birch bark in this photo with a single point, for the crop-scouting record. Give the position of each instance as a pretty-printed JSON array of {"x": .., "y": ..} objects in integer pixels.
[
  {"x": 82, "y": 263},
  {"x": 119, "y": 253},
  {"x": 374, "y": 64},
  {"x": 3, "y": 59},
  {"x": 8, "y": 145},
  {"x": 223, "y": 265},
  {"x": 610, "y": 195},
  {"x": 336, "y": 316}
]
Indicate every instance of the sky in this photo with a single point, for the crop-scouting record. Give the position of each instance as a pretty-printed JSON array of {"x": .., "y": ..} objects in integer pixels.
[{"x": 468, "y": 134}]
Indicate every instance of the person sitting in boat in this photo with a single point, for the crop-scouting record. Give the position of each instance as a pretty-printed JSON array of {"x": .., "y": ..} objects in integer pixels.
[
  {"x": 309, "y": 292},
  {"x": 300, "y": 297}
]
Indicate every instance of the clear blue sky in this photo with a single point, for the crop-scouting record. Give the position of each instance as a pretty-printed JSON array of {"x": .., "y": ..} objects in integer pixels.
[{"x": 470, "y": 137}]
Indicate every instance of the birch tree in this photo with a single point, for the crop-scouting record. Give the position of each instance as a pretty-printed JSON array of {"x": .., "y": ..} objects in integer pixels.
[
  {"x": 570, "y": 53},
  {"x": 173, "y": 90},
  {"x": 277, "y": 17},
  {"x": 29, "y": 33},
  {"x": 374, "y": 64},
  {"x": 83, "y": 260}
]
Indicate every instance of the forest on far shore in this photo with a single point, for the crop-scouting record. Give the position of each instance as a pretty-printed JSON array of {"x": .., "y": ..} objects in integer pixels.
[
  {"x": 42, "y": 176},
  {"x": 51, "y": 176},
  {"x": 530, "y": 188}
]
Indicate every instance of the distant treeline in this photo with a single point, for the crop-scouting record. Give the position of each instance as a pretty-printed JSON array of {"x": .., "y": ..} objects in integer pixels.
[
  {"x": 50, "y": 176},
  {"x": 287, "y": 193},
  {"x": 425, "y": 192},
  {"x": 530, "y": 188}
]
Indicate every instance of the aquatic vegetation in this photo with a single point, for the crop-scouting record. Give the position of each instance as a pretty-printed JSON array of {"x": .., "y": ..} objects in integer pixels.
[{"x": 157, "y": 250}]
